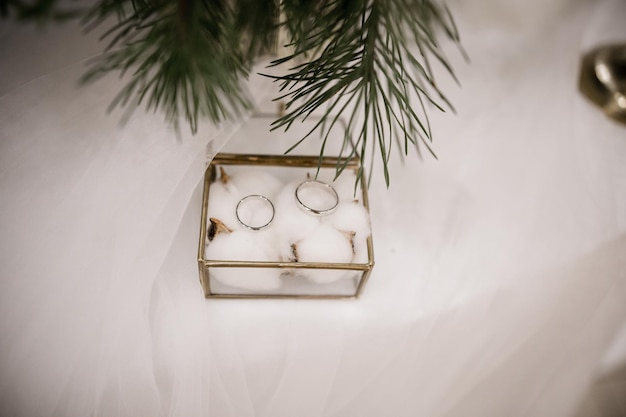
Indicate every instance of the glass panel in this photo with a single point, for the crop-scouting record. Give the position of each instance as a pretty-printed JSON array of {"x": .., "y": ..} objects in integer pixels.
[{"x": 283, "y": 281}]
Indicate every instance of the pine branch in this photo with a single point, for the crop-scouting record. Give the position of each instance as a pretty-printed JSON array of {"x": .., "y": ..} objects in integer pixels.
[
  {"x": 187, "y": 58},
  {"x": 40, "y": 11},
  {"x": 360, "y": 59},
  {"x": 368, "y": 63}
]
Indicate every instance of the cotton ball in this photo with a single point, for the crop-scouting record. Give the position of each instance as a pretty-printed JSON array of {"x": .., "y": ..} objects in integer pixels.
[
  {"x": 352, "y": 217},
  {"x": 291, "y": 222},
  {"x": 326, "y": 245},
  {"x": 359, "y": 245},
  {"x": 255, "y": 181},
  {"x": 244, "y": 246},
  {"x": 222, "y": 203},
  {"x": 286, "y": 251}
]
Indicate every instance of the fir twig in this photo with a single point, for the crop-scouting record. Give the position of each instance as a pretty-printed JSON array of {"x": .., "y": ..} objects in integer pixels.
[
  {"x": 188, "y": 57},
  {"x": 360, "y": 60},
  {"x": 365, "y": 65}
]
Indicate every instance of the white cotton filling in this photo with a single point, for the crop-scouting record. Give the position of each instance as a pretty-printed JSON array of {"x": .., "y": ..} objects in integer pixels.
[
  {"x": 293, "y": 231},
  {"x": 221, "y": 205},
  {"x": 360, "y": 249},
  {"x": 328, "y": 245},
  {"x": 257, "y": 279},
  {"x": 244, "y": 246},
  {"x": 291, "y": 223},
  {"x": 255, "y": 181},
  {"x": 241, "y": 245},
  {"x": 350, "y": 217}
]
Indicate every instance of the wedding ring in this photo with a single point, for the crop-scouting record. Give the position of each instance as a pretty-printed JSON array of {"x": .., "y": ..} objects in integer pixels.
[
  {"x": 257, "y": 211},
  {"x": 314, "y": 192}
]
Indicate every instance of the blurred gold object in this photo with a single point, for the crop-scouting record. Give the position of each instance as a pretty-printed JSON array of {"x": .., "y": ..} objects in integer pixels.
[{"x": 603, "y": 79}]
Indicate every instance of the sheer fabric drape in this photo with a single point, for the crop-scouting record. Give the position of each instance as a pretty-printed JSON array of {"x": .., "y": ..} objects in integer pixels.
[{"x": 498, "y": 287}]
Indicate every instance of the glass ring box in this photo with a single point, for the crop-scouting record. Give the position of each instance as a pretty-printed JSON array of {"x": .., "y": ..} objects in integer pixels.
[{"x": 276, "y": 226}]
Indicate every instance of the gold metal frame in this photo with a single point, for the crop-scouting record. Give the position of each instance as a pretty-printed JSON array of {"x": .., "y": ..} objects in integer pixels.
[
  {"x": 602, "y": 79},
  {"x": 278, "y": 161}
]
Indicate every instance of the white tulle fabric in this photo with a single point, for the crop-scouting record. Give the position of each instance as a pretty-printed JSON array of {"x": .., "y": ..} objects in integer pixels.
[{"x": 498, "y": 288}]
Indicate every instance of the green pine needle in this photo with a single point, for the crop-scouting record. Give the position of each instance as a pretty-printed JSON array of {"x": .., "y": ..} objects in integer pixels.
[
  {"x": 359, "y": 62},
  {"x": 187, "y": 57},
  {"x": 363, "y": 65}
]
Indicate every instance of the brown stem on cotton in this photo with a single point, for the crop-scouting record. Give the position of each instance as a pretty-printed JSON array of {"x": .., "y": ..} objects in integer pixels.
[
  {"x": 216, "y": 227},
  {"x": 224, "y": 177}
]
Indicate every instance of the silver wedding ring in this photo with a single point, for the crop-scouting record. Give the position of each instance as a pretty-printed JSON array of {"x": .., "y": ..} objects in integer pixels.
[
  {"x": 313, "y": 192},
  {"x": 253, "y": 208}
]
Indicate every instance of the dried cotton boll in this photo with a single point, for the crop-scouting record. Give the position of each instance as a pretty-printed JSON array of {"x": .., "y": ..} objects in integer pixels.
[
  {"x": 216, "y": 226},
  {"x": 265, "y": 241},
  {"x": 359, "y": 246},
  {"x": 291, "y": 223},
  {"x": 352, "y": 217},
  {"x": 222, "y": 203},
  {"x": 286, "y": 251},
  {"x": 327, "y": 245},
  {"x": 240, "y": 245},
  {"x": 244, "y": 246}
]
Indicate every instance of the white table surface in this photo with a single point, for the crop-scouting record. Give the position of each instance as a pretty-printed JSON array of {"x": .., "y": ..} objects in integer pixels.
[{"x": 500, "y": 280}]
